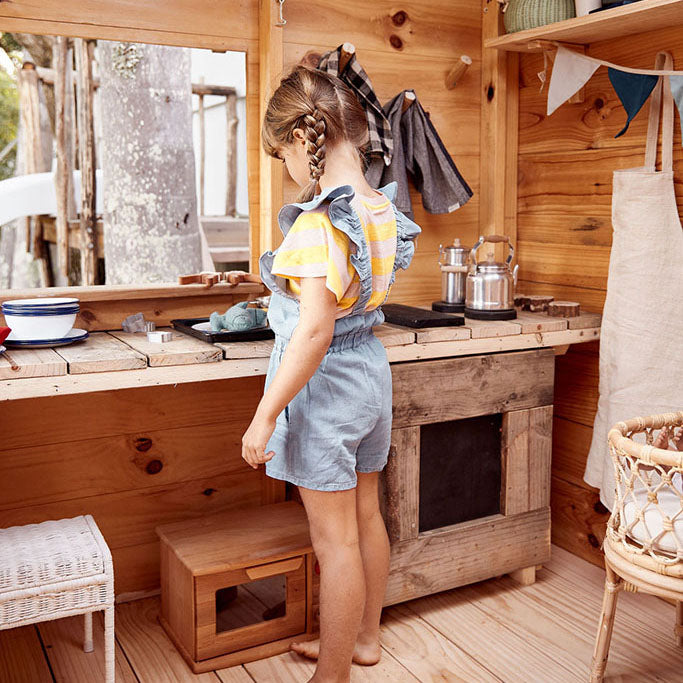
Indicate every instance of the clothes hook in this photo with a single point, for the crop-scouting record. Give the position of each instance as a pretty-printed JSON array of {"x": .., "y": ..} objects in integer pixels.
[
  {"x": 281, "y": 21},
  {"x": 458, "y": 71},
  {"x": 408, "y": 99}
]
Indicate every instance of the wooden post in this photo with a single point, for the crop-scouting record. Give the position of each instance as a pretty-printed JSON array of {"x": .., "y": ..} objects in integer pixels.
[
  {"x": 71, "y": 131},
  {"x": 86, "y": 154},
  {"x": 499, "y": 123},
  {"x": 30, "y": 116},
  {"x": 202, "y": 148},
  {"x": 266, "y": 233},
  {"x": 231, "y": 141},
  {"x": 62, "y": 184},
  {"x": 402, "y": 485},
  {"x": 72, "y": 87},
  {"x": 34, "y": 161},
  {"x": 30, "y": 125}
]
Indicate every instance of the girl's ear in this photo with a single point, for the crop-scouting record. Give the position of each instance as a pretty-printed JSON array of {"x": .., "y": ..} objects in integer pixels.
[{"x": 299, "y": 135}]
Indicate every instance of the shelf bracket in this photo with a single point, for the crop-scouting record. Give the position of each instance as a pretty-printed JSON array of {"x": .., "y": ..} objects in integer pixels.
[{"x": 544, "y": 45}]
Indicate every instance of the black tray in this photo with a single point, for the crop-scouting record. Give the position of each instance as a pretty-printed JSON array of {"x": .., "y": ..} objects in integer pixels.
[
  {"x": 185, "y": 325},
  {"x": 409, "y": 316}
]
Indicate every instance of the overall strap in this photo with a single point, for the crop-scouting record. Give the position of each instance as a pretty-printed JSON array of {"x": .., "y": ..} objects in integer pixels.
[{"x": 663, "y": 98}]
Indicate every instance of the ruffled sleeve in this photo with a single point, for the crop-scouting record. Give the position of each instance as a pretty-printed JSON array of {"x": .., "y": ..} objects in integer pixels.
[
  {"x": 313, "y": 247},
  {"x": 406, "y": 233}
]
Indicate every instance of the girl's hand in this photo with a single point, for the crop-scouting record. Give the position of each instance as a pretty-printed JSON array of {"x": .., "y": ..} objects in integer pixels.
[{"x": 255, "y": 439}]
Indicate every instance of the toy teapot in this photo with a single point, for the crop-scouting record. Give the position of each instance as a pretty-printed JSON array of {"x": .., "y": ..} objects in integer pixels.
[{"x": 490, "y": 285}]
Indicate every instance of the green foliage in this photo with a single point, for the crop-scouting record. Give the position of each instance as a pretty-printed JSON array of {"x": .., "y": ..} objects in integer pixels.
[
  {"x": 9, "y": 118},
  {"x": 13, "y": 49},
  {"x": 9, "y": 106}
]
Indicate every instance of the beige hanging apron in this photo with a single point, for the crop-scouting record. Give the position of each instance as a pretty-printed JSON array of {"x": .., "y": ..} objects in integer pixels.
[{"x": 641, "y": 338}]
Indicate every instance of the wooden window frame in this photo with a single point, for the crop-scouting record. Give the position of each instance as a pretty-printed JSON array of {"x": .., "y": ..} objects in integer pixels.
[{"x": 251, "y": 28}]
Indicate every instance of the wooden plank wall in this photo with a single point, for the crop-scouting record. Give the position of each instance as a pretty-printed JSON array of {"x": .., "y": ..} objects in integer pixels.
[
  {"x": 409, "y": 45},
  {"x": 133, "y": 459},
  {"x": 138, "y": 458},
  {"x": 564, "y": 235}
]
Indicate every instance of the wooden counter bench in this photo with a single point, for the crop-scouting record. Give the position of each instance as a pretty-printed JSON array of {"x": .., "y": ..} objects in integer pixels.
[
  {"x": 99, "y": 362},
  {"x": 140, "y": 434}
]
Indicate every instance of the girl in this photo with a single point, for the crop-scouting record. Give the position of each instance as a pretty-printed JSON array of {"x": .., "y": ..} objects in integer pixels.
[{"x": 324, "y": 422}]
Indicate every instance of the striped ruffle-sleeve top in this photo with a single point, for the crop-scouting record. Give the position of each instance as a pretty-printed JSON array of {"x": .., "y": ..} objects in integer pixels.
[{"x": 314, "y": 247}]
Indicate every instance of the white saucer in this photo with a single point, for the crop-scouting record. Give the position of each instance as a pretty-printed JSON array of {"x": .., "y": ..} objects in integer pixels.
[{"x": 74, "y": 335}]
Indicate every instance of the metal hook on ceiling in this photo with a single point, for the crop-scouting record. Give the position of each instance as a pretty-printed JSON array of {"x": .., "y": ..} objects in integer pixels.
[{"x": 281, "y": 21}]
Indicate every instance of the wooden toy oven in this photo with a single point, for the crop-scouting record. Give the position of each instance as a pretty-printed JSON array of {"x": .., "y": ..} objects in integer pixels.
[{"x": 466, "y": 491}]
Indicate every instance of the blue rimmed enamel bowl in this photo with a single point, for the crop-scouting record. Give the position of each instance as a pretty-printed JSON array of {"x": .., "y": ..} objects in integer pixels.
[{"x": 40, "y": 319}]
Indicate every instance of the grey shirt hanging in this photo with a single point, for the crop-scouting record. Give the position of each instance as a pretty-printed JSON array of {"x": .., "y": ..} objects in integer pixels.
[{"x": 418, "y": 150}]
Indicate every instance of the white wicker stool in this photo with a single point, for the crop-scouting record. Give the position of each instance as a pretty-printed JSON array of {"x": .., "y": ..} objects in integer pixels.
[{"x": 57, "y": 569}]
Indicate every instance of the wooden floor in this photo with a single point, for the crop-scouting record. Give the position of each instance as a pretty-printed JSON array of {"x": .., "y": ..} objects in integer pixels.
[{"x": 489, "y": 631}]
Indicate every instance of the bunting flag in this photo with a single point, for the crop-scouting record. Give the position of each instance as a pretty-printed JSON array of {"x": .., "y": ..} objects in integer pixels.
[
  {"x": 571, "y": 72},
  {"x": 633, "y": 91},
  {"x": 677, "y": 92}
]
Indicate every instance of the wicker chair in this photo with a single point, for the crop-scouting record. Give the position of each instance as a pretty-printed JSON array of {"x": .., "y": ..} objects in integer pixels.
[
  {"x": 644, "y": 541},
  {"x": 57, "y": 569}
]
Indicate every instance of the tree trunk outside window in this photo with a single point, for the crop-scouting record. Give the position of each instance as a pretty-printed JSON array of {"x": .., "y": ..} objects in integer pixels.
[{"x": 151, "y": 229}]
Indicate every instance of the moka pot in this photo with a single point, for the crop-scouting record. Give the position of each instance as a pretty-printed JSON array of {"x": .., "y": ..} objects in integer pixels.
[{"x": 453, "y": 264}]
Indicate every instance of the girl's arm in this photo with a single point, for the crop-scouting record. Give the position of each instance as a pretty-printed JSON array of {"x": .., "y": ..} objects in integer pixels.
[{"x": 307, "y": 347}]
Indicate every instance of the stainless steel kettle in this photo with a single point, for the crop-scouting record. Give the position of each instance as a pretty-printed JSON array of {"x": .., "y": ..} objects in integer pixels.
[
  {"x": 453, "y": 264},
  {"x": 489, "y": 287}
]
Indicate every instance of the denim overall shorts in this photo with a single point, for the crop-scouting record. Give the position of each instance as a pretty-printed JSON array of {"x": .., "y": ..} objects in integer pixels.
[{"x": 339, "y": 423}]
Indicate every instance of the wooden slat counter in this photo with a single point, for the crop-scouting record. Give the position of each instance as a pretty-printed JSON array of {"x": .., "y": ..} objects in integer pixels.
[
  {"x": 109, "y": 361},
  {"x": 140, "y": 435}
]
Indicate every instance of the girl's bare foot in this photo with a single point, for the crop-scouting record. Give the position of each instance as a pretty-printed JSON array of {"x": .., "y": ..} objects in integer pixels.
[{"x": 364, "y": 653}]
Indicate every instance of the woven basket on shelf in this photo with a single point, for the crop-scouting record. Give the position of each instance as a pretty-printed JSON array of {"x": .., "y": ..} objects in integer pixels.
[{"x": 523, "y": 14}]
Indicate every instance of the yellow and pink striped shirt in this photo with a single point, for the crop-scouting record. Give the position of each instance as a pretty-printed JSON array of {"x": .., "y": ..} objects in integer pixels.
[{"x": 313, "y": 247}]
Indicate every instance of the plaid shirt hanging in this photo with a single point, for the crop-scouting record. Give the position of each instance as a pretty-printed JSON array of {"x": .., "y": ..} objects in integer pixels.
[{"x": 353, "y": 75}]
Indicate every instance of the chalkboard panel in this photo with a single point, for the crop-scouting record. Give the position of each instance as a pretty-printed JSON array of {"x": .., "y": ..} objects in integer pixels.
[{"x": 459, "y": 470}]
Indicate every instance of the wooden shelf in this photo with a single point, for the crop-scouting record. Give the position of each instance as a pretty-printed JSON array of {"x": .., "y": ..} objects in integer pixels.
[{"x": 646, "y": 15}]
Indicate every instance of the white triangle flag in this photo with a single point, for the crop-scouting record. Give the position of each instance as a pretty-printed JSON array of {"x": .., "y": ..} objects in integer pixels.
[
  {"x": 676, "y": 83},
  {"x": 571, "y": 71}
]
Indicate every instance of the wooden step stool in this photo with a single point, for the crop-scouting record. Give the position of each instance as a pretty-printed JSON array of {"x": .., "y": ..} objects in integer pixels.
[{"x": 219, "y": 584}]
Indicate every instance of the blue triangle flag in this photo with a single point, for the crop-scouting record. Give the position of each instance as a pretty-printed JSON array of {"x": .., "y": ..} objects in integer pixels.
[{"x": 633, "y": 91}]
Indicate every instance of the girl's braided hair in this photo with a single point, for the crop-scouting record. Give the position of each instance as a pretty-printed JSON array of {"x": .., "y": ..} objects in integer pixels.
[{"x": 324, "y": 108}]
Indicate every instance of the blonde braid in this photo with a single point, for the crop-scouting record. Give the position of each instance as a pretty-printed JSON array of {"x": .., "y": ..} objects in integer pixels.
[{"x": 315, "y": 129}]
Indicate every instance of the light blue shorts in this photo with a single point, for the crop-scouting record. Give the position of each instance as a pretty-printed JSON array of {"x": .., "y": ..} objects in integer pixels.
[{"x": 340, "y": 421}]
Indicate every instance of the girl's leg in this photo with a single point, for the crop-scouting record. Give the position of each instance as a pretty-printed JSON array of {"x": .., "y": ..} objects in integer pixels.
[
  {"x": 374, "y": 548},
  {"x": 334, "y": 534}
]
